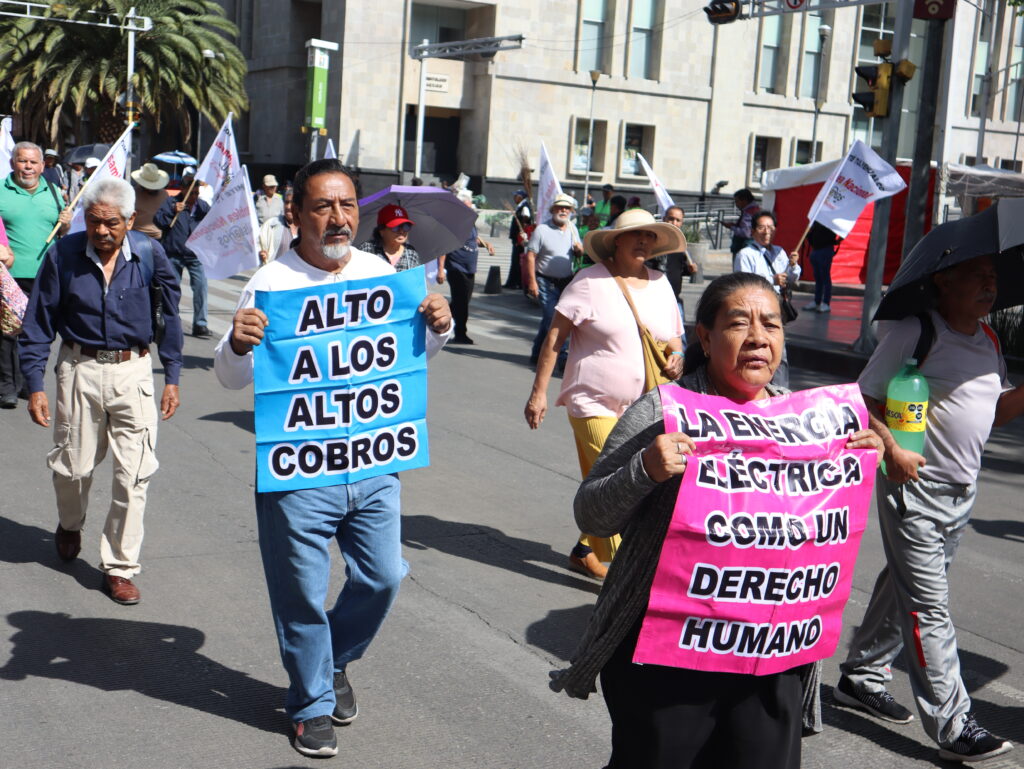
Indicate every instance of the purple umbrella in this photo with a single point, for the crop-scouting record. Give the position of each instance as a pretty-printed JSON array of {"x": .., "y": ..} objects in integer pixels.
[{"x": 441, "y": 222}]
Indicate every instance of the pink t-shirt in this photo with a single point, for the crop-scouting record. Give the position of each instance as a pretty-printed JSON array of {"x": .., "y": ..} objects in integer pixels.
[
  {"x": 604, "y": 373},
  {"x": 3, "y": 234}
]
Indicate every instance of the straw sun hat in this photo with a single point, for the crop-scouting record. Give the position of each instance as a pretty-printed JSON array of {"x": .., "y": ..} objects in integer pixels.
[
  {"x": 600, "y": 244},
  {"x": 150, "y": 177}
]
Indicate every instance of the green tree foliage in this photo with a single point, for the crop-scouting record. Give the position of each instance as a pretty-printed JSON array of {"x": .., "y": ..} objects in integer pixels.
[{"x": 53, "y": 73}]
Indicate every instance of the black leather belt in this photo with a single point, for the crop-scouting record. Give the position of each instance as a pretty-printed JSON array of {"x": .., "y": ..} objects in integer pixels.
[{"x": 107, "y": 356}]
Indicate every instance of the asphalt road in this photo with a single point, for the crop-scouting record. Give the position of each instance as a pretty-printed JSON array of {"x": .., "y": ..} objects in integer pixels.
[{"x": 458, "y": 677}]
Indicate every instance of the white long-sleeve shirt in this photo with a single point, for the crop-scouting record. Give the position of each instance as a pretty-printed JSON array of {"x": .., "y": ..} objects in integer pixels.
[
  {"x": 292, "y": 271},
  {"x": 752, "y": 259}
]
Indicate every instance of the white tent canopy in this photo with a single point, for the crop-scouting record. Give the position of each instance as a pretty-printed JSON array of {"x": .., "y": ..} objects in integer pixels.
[
  {"x": 796, "y": 176},
  {"x": 983, "y": 181}
]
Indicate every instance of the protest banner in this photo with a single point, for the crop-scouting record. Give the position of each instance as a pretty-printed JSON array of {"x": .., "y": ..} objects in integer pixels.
[
  {"x": 549, "y": 188},
  {"x": 862, "y": 178},
  {"x": 225, "y": 240},
  {"x": 221, "y": 163},
  {"x": 758, "y": 560},
  {"x": 341, "y": 382},
  {"x": 665, "y": 201},
  {"x": 6, "y": 147},
  {"x": 112, "y": 166}
]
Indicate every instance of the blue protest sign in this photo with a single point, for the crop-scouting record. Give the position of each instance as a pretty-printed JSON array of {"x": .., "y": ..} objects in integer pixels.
[{"x": 341, "y": 382}]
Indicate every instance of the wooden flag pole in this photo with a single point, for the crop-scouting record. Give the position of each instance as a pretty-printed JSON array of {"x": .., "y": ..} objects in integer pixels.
[
  {"x": 802, "y": 239},
  {"x": 71, "y": 207},
  {"x": 178, "y": 213}
]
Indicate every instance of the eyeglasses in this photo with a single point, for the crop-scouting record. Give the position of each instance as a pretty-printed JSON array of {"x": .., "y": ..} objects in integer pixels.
[{"x": 401, "y": 228}]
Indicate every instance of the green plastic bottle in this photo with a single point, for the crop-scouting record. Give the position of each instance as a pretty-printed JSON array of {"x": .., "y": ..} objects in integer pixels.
[{"x": 906, "y": 407}]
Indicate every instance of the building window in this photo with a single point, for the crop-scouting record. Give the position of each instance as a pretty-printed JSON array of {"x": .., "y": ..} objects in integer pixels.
[
  {"x": 1010, "y": 165},
  {"x": 980, "y": 61},
  {"x": 810, "y": 79},
  {"x": 802, "y": 154},
  {"x": 437, "y": 24},
  {"x": 766, "y": 154},
  {"x": 581, "y": 145},
  {"x": 771, "y": 53},
  {"x": 592, "y": 35},
  {"x": 636, "y": 140},
  {"x": 971, "y": 160},
  {"x": 1015, "y": 73},
  {"x": 641, "y": 40}
]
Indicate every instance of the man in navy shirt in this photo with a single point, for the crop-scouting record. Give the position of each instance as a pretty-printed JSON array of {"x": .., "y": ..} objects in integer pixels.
[
  {"x": 459, "y": 269},
  {"x": 177, "y": 219},
  {"x": 93, "y": 289}
]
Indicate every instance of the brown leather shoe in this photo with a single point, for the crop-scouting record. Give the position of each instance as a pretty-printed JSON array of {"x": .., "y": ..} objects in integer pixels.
[
  {"x": 589, "y": 565},
  {"x": 69, "y": 543},
  {"x": 121, "y": 590}
]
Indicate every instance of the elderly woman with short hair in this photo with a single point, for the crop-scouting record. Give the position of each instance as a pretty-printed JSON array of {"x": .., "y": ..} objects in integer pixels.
[
  {"x": 664, "y": 716},
  {"x": 604, "y": 372}
]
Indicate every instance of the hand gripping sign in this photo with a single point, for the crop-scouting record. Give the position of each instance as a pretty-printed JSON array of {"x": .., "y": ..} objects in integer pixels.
[
  {"x": 758, "y": 559},
  {"x": 341, "y": 383}
]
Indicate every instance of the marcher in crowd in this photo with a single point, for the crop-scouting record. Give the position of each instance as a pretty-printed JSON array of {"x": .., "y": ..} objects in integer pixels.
[
  {"x": 150, "y": 185},
  {"x": 269, "y": 204},
  {"x": 762, "y": 257},
  {"x": 54, "y": 172},
  {"x": 742, "y": 228},
  {"x": 390, "y": 239},
  {"x": 663, "y": 716},
  {"x": 634, "y": 202},
  {"x": 91, "y": 164},
  {"x": 605, "y": 372},
  {"x": 75, "y": 179},
  {"x": 616, "y": 205},
  {"x": 30, "y": 208},
  {"x": 458, "y": 267},
  {"x": 276, "y": 235},
  {"x": 186, "y": 215},
  {"x": 924, "y": 506},
  {"x": 824, "y": 244},
  {"x": 296, "y": 527},
  {"x": 6, "y": 254},
  {"x": 93, "y": 291},
  {"x": 678, "y": 265},
  {"x": 603, "y": 207},
  {"x": 519, "y": 233},
  {"x": 549, "y": 264}
]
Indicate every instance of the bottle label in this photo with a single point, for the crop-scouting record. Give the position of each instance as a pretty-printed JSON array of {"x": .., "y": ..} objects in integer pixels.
[{"x": 910, "y": 417}]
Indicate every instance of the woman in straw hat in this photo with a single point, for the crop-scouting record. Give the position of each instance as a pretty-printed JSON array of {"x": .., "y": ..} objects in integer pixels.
[{"x": 604, "y": 373}]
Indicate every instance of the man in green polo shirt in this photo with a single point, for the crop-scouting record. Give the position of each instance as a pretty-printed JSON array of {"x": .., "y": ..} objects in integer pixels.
[
  {"x": 603, "y": 207},
  {"x": 29, "y": 207}
]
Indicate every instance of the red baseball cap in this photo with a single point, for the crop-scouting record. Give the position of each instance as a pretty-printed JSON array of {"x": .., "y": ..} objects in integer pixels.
[{"x": 392, "y": 216}]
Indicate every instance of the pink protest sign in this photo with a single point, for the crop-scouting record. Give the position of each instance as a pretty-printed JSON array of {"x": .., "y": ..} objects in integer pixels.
[{"x": 758, "y": 560}]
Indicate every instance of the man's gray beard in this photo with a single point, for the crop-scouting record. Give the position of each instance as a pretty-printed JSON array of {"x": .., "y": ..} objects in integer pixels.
[{"x": 337, "y": 251}]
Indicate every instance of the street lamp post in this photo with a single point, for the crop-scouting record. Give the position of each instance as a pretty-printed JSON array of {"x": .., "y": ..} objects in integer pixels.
[
  {"x": 595, "y": 75},
  {"x": 823, "y": 34}
]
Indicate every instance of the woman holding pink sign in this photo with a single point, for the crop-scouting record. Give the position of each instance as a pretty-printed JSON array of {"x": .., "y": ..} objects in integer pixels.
[
  {"x": 665, "y": 716},
  {"x": 605, "y": 372}
]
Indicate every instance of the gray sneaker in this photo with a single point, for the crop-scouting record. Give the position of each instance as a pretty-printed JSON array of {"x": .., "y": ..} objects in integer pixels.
[
  {"x": 881, "y": 705},
  {"x": 345, "y": 708},
  {"x": 975, "y": 743},
  {"x": 315, "y": 737}
]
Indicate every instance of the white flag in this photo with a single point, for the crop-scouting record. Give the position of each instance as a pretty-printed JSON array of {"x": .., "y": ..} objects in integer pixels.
[
  {"x": 862, "y": 178},
  {"x": 6, "y": 147},
  {"x": 225, "y": 241},
  {"x": 548, "y": 187},
  {"x": 329, "y": 149},
  {"x": 665, "y": 201},
  {"x": 221, "y": 164},
  {"x": 113, "y": 166}
]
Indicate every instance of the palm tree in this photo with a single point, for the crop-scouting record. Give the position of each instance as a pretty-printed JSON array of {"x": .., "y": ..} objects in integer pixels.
[{"x": 55, "y": 73}]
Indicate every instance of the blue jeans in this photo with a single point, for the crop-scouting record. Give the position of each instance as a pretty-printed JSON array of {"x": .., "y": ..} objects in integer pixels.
[
  {"x": 549, "y": 292},
  {"x": 821, "y": 263},
  {"x": 197, "y": 279},
  {"x": 296, "y": 529}
]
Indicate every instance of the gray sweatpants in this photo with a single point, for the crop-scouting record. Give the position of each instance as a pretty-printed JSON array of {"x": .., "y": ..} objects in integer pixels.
[{"x": 921, "y": 524}]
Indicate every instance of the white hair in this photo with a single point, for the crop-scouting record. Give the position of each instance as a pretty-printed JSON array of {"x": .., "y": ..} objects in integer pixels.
[
  {"x": 112, "y": 192},
  {"x": 27, "y": 146}
]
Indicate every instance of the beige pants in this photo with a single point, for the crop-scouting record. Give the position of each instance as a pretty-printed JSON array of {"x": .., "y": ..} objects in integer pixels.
[{"x": 101, "y": 405}]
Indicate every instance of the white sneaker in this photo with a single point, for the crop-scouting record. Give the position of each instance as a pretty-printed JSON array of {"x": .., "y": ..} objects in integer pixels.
[
  {"x": 811, "y": 306},
  {"x": 824, "y": 308}
]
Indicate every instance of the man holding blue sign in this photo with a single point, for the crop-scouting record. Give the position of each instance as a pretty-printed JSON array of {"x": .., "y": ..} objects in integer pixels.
[{"x": 339, "y": 371}]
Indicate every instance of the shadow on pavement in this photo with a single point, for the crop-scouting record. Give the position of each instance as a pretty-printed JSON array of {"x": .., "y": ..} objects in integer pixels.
[
  {"x": 241, "y": 419},
  {"x": 493, "y": 547},
  {"x": 20, "y": 543},
  {"x": 560, "y": 631},
  {"x": 476, "y": 351},
  {"x": 204, "y": 362},
  {"x": 155, "y": 659}
]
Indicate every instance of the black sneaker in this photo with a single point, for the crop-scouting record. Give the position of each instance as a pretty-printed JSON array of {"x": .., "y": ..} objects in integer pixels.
[
  {"x": 881, "y": 705},
  {"x": 345, "y": 708},
  {"x": 315, "y": 737},
  {"x": 201, "y": 332},
  {"x": 975, "y": 743}
]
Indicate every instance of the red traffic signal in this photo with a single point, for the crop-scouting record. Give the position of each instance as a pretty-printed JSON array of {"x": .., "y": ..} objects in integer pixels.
[
  {"x": 879, "y": 79},
  {"x": 723, "y": 11}
]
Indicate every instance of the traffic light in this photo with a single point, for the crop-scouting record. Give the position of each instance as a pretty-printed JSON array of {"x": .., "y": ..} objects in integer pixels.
[
  {"x": 879, "y": 80},
  {"x": 723, "y": 11}
]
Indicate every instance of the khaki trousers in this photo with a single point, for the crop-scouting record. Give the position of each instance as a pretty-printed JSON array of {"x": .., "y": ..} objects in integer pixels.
[{"x": 101, "y": 405}]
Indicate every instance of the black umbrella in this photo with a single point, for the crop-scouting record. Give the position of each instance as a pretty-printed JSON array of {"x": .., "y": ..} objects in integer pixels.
[
  {"x": 997, "y": 231},
  {"x": 86, "y": 151}
]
